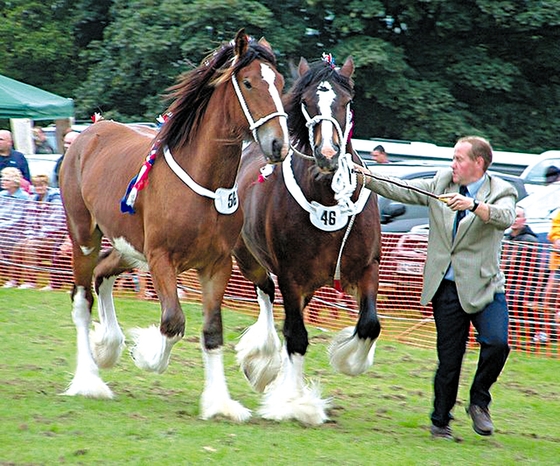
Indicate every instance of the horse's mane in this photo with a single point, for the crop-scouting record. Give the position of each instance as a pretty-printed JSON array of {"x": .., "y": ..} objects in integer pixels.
[
  {"x": 318, "y": 71},
  {"x": 193, "y": 90}
]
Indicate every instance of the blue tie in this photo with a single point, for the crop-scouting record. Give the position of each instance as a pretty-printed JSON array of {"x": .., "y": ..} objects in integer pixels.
[{"x": 460, "y": 213}]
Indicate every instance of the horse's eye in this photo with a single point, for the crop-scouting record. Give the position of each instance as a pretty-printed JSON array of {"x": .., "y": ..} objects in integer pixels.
[{"x": 247, "y": 84}]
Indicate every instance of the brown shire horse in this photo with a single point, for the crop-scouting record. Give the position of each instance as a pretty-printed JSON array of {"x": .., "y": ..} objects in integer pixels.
[
  {"x": 307, "y": 214},
  {"x": 233, "y": 94}
]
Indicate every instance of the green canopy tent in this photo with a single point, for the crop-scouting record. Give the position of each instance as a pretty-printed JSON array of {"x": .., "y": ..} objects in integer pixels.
[
  {"x": 22, "y": 103},
  {"x": 20, "y": 100}
]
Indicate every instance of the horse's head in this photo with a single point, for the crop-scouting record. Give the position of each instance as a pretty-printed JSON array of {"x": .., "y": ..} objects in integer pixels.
[
  {"x": 318, "y": 106},
  {"x": 258, "y": 87}
]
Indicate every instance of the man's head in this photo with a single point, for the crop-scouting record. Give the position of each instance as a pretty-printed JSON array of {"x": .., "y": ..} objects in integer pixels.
[
  {"x": 471, "y": 158},
  {"x": 552, "y": 174},
  {"x": 69, "y": 138},
  {"x": 519, "y": 221},
  {"x": 379, "y": 155},
  {"x": 5, "y": 142}
]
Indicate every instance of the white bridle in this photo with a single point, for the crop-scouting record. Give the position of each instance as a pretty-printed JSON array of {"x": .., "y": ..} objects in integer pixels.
[{"x": 226, "y": 200}]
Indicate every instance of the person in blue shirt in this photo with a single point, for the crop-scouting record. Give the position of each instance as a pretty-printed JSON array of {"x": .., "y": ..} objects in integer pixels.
[{"x": 10, "y": 157}]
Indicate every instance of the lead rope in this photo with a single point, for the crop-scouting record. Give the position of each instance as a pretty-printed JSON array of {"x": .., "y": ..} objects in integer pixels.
[{"x": 336, "y": 280}]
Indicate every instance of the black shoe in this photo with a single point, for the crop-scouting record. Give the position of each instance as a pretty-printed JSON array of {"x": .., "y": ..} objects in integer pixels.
[
  {"x": 482, "y": 422},
  {"x": 442, "y": 432}
]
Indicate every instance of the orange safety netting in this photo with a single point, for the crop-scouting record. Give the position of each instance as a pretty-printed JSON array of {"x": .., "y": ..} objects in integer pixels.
[{"x": 532, "y": 293}]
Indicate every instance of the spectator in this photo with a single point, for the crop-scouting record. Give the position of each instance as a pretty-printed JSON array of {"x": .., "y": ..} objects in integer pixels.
[
  {"x": 553, "y": 285},
  {"x": 41, "y": 144},
  {"x": 552, "y": 175},
  {"x": 42, "y": 191},
  {"x": 520, "y": 231},
  {"x": 61, "y": 273},
  {"x": 12, "y": 214},
  {"x": 69, "y": 138},
  {"x": 523, "y": 284},
  {"x": 43, "y": 231},
  {"x": 462, "y": 276},
  {"x": 10, "y": 157},
  {"x": 379, "y": 155}
]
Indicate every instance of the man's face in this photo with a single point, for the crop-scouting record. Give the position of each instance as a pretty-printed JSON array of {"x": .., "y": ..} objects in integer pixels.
[
  {"x": 465, "y": 169},
  {"x": 5, "y": 142},
  {"x": 519, "y": 221}
]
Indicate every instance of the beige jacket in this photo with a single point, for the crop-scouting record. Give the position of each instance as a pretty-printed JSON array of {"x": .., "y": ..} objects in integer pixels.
[{"x": 475, "y": 252}]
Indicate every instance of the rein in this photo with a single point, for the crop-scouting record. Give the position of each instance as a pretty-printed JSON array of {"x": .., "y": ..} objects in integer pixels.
[{"x": 401, "y": 185}]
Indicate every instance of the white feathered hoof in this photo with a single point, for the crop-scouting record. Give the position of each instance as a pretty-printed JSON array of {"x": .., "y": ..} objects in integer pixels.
[
  {"x": 89, "y": 385},
  {"x": 260, "y": 358},
  {"x": 151, "y": 350},
  {"x": 349, "y": 354},
  {"x": 106, "y": 347},
  {"x": 211, "y": 407},
  {"x": 305, "y": 405}
]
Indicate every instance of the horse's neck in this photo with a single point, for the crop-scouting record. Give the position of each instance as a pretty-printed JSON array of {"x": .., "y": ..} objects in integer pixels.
[{"x": 212, "y": 159}]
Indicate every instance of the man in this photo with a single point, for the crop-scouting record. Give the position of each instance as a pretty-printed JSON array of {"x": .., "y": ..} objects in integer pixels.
[
  {"x": 462, "y": 276},
  {"x": 379, "y": 155},
  {"x": 41, "y": 144},
  {"x": 10, "y": 157},
  {"x": 69, "y": 138},
  {"x": 520, "y": 231}
]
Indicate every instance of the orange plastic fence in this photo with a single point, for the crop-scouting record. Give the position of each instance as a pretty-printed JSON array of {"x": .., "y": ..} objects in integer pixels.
[{"x": 532, "y": 294}]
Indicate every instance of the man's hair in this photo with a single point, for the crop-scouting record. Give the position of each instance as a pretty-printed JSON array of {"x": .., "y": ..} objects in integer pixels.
[
  {"x": 480, "y": 147},
  {"x": 379, "y": 148}
]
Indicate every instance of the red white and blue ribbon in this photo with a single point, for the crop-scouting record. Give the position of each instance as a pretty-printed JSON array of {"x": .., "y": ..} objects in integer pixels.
[{"x": 140, "y": 181}]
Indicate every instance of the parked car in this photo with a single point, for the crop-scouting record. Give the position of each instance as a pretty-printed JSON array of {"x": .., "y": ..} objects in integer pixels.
[
  {"x": 400, "y": 217},
  {"x": 534, "y": 176}
]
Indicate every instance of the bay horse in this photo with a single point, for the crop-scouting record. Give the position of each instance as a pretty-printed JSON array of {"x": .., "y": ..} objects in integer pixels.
[
  {"x": 234, "y": 94},
  {"x": 309, "y": 225}
]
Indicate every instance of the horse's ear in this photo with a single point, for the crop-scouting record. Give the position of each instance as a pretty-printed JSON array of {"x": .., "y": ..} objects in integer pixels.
[
  {"x": 303, "y": 66},
  {"x": 348, "y": 67},
  {"x": 265, "y": 43},
  {"x": 241, "y": 43}
]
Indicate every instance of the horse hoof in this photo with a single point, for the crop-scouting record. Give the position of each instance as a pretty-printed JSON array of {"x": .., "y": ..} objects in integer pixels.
[
  {"x": 106, "y": 348},
  {"x": 350, "y": 354},
  {"x": 151, "y": 350},
  {"x": 90, "y": 386}
]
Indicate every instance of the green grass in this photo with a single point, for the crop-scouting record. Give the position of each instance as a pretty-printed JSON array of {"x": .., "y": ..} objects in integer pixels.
[{"x": 380, "y": 417}]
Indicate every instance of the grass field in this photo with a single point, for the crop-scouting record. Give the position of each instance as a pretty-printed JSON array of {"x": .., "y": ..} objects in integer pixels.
[{"x": 380, "y": 417}]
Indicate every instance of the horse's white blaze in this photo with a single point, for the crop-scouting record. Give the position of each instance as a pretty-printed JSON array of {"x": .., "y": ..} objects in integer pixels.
[
  {"x": 106, "y": 338},
  {"x": 269, "y": 76},
  {"x": 288, "y": 397},
  {"x": 258, "y": 350},
  {"x": 327, "y": 96},
  {"x": 350, "y": 354},
  {"x": 133, "y": 257},
  {"x": 86, "y": 381},
  {"x": 215, "y": 399},
  {"x": 151, "y": 350}
]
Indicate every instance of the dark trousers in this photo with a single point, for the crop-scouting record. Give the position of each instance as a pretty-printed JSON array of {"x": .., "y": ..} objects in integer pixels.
[{"x": 453, "y": 325}]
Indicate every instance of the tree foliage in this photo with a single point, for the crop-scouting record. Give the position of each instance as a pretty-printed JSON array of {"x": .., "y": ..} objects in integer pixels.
[{"x": 428, "y": 70}]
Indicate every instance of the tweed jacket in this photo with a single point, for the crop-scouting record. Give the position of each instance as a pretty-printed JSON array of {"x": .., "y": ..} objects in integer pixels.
[{"x": 475, "y": 251}]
